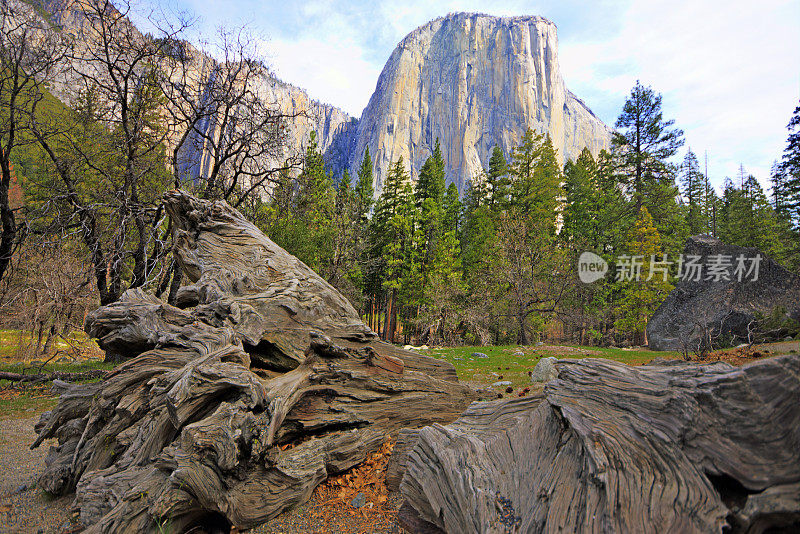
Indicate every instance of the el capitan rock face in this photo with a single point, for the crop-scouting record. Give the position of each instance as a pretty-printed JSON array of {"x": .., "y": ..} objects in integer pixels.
[
  {"x": 724, "y": 308},
  {"x": 473, "y": 81}
]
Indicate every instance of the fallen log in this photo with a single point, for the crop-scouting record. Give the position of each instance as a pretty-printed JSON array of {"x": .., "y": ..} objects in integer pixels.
[
  {"x": 235, "y": 406},
  {"x": 667, "y": 447},
  {"x": 55, "y": 375}
]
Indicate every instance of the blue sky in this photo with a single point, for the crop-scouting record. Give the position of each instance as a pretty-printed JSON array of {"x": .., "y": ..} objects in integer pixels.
[{"x": 729, "y": 71}]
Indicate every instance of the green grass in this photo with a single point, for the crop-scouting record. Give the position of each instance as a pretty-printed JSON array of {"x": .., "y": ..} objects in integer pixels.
[
  {"x": 34, "y": 399},
  {"x": 34, "y": 367},
  {"x": 27, "y": 404},
  {"x": 13, "y": 341},
  {"x": 502, "y": 362}
]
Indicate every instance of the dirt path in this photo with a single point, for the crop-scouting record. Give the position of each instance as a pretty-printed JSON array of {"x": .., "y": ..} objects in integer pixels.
[{"x": 23, "y": 506}]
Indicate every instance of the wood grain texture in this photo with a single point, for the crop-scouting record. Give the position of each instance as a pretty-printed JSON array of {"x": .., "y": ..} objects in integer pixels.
[
  {"x": 667, "y": 447},
  {"x": 235, "y": 406}
]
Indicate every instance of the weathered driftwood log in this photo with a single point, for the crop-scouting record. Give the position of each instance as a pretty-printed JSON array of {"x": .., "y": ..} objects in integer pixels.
[
  {"x": 668, "y": 447},
  {"x": 55, "y": 375},
  {"x": 235, "y": 407}
]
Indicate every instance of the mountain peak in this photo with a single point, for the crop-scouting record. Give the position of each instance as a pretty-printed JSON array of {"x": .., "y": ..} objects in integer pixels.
[{"x": 474, "y": 81}]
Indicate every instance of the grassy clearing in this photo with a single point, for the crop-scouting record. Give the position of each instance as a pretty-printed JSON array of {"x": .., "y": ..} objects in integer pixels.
[
  {"x": 32, "y": 399},
  {"x": 502, "y": 362},
  {"x": 25, "y": 404},
  {"x": 35, "y": 367},
  {"x": 15, "y": 344}
]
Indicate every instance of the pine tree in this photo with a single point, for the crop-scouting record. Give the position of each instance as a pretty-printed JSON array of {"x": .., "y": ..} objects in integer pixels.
[
  {"x": 431, "y": 182},
  {"x": 710, "y": 206},
  {"x": 527, "y": 253},
  {"x": 780, "y": 200},
  {"x": 790, "y": 170},
  {"x": 365, "y": 191},
  {"x": 476, "y": 231},
  {"x": 694, "y": 189},
  {"x": 498, "y": 180},
  {"x": 452, "y": 207},
  {"x": 344, "y": 192},
  {"x": 536, "y": 177},
  {"x": 581, "y": 224},
  {"x": 444, "y": 288},
  {"x": 642, "y": 153},
  {"x": 392, "y": 235},
  {"x": 308, "y": 233},
  {"x": 429, "y": 198},
  {"x": 747, "y": 219},
  {"x": 640, "y": 296}
]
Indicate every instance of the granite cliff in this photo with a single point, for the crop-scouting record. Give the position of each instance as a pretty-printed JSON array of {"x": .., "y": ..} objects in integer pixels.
[
  {"x": 473, "y": 81},
  {"x": 329, "y": 122}
]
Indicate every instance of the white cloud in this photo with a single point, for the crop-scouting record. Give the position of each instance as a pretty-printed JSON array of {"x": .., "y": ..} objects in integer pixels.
[
  {"x": 333, "y": 71},
  {"x": 728, "y": 73}
]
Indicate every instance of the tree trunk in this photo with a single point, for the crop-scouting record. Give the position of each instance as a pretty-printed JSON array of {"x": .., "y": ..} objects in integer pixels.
[
  {"x": 51, "y": 335},
  {"x": 523, "y": 332},
  {"x": 8, "y": 224},
  {"x": 666, "y": 447},
  {"x": 238, "y": 403},
  {"x": 175, "y": 284}
]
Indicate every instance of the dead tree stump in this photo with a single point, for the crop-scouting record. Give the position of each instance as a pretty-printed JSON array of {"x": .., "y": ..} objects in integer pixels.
[
  {"x": 667, "y": 447},
  {"x": 237, "y": 404}
]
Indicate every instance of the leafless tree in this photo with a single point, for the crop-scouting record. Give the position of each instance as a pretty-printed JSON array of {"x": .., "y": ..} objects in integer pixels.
[
  {"x": 47, "y": 297},
  {"x": 230, "y": 131},
  {"x": 108, "y": 150},
  {"x": 152, "y": 112},
  {"x": 30, "y": 55}
]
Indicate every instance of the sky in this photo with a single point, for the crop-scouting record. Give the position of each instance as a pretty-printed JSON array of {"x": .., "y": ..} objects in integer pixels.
[{"x": 729, "y": 71}]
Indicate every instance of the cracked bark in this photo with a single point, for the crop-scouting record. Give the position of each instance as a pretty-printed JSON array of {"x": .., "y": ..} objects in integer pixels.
[{"x": 233, "y": 405}]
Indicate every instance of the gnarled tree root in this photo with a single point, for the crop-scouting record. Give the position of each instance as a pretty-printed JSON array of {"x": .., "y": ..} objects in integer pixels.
[{"x": 235, "y": 406}]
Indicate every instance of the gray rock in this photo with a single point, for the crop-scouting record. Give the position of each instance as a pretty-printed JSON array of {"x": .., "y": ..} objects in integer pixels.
[
  {"x": 479, "y": 355},
  {"x": 725, "y": 307},
  {"x": 538, "y": 344},
  {"x": 473, "y": 82},
  {"x": 22, "y": 488},
  {"x": 502, "y": 383},
  {"x": 518, "y": 353},
  {"x": 545, "y": 370},
  {"x": 359, "y": 500}
]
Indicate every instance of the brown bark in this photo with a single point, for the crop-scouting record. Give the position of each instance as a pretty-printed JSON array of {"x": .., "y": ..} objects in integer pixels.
[
  {"x": 237, "y": 403},
  {"x": 667, "y": 447}
]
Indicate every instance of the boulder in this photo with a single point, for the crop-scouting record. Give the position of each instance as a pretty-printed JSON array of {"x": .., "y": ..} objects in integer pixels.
[
  {"x": 719, "y": 311},
  {"x": 545, "y": 370},
  {"x": 479, "y": 355}
]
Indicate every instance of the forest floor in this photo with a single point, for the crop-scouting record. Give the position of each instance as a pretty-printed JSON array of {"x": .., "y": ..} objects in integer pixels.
[
  {"x": 25, "y": 508},
  {"x": 513, "y": 363}
]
